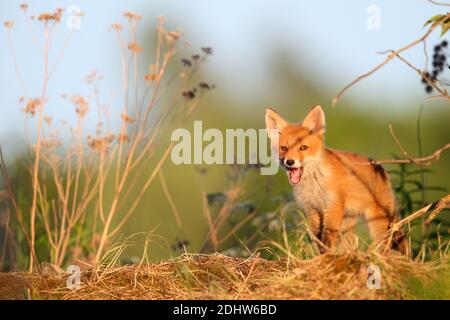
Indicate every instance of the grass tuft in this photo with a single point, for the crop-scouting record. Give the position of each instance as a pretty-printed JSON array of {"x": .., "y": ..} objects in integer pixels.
[{"x": 329, "y": 276}]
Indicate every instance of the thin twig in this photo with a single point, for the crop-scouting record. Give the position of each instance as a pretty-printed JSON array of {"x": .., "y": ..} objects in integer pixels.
[
  {"x": 389, "y": 58},
  {"x": 423, "y": 161},
  {"x": 439, "y": 3},
  {"x": 437, "y": 207}
]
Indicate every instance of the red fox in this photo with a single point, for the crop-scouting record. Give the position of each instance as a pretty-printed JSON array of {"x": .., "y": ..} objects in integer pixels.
[{"x": 332, "y": 187}]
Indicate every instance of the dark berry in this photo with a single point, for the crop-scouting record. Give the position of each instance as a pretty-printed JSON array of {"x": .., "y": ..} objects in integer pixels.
[
  {"x": 186, "y": 62},
  {"x": 207, "y": 50},
  {"x": 437, "y": 48},
  {"x": 429, "y": 89},
  {"x": 444, "y": 43},
  {"x": 204, "y": 85},
  {"x": 189, "y": 95}
]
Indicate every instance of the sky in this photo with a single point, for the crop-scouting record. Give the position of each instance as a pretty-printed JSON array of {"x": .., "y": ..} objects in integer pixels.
[{"x": 330, "y": 42}]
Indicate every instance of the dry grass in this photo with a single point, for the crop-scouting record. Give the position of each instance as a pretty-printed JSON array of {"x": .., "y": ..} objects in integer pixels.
[
  {"x": 329, "y": 276},
  {"x": 86, "y": 187}
]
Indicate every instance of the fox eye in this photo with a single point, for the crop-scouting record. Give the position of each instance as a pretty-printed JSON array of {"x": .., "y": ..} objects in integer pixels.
[
  {"x": 283, "y": 148},
  {"x": 303, "y": 148}
]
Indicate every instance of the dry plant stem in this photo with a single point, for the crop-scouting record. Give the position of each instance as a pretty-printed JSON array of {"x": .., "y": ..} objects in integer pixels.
[
  {"x": 144, "y": 189},
  {"x": 12, "y": 198},
  {"x": 38, "y": 149},
  {"x": 79, "y": 179},
  {"x": 236, "y": 228},
  {"x": 207, "y": 213},
  {"x": 442, "y": 204},
  {"x": 16, "y": 65},
  {"x": 61, "y": 54},
  {"x": 132, "y": 153},
  {"x": 154, "y": 172},
  {"x": 170, "y": 199},
  {"x": 224, "y": 213},
  {"x": 437, "y": 207},
  {"x": 106, "y": 233},
  {"x": 422, "y": 161},
  {"x": 389, "y": 58}
]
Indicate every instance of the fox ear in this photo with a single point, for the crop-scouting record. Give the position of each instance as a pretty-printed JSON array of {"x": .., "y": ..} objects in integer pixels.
[
  {"x": 315, "y": 120},
  {"x": 274, "y": 121}
]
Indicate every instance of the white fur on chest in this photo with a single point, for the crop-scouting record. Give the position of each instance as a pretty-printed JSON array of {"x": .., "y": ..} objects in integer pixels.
[{"x": 311, "y": 193}]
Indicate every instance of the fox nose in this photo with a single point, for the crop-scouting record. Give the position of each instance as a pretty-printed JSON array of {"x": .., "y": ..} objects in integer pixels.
[{"x": 290, "y": 162}]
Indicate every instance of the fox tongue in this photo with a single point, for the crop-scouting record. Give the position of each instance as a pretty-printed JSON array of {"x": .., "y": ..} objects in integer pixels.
[{"x": 294, "y": 175}]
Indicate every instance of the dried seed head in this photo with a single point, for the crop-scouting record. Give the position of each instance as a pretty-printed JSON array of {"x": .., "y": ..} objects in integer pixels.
[
  {"x": 132, "y": 16},
  {"x": 82, "y": 109},
  {"x": 117, "y": 26},
  {"x": 151, "y": 77},
  {"x": 81, "y": 105},
  {"x": 126, "y": 118},
  {"x": 51, "y": 143},
  {"x": 92, "y": 77},
  {"x": 48, "y": 120},
  {"x": 135, "y": 47},
  {"x": 123, "y": 137},
  {"x": 174, "y": 35},
  {"x": 32, "y": 106},
  {"x": 47, "y": 17},
  {"x": 101, "y": 144},
  {"x": 9, "y": 24},
  {"x": 24, "y": 6}
]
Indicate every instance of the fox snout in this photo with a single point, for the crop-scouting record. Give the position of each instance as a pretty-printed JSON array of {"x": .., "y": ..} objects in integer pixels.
[
  {"x": 294, "y": 169},
  {"x": 290, "y": 163}
]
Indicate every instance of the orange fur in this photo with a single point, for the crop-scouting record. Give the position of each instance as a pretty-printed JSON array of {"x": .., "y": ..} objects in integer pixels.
[{"x": 332, "y": 187}]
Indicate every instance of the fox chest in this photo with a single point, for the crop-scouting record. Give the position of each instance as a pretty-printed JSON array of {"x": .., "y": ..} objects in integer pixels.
[{"x": 312, "y": 193}]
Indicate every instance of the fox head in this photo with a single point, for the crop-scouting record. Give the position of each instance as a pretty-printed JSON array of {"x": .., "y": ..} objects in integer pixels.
[{"x": 297, "y": 145}]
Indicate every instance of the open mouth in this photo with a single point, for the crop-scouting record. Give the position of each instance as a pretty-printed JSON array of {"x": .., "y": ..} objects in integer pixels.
[{"x": 295, "y": 175}]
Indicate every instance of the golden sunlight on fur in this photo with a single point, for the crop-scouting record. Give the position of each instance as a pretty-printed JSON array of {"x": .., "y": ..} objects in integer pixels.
[{"x": 333, "y": 187}]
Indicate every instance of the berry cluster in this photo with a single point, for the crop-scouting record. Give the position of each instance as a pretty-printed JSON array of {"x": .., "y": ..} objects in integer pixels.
[
  {"x": 193, "y": 63},
  {"x": 439, "y": 63},
  {"x": 191, "y": 94}
]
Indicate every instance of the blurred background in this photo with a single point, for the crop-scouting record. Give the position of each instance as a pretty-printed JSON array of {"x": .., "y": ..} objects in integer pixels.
[{"x": 290, "y": 55}]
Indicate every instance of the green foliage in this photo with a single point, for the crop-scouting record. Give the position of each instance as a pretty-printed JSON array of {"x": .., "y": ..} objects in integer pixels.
[
  {"x": 436, "y": 288},
  {"x": 410, "y": 186},
  {"x": 440, "y": 19}
]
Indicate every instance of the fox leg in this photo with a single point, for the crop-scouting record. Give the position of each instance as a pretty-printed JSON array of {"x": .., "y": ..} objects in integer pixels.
[
  {"x": 332, "y": 223},
  {"x": 315, "y": 226},
  {"x": 378, "y": 221},
  {"x": 348, "y": 240},
  {"x": 315, "y": 223}
]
